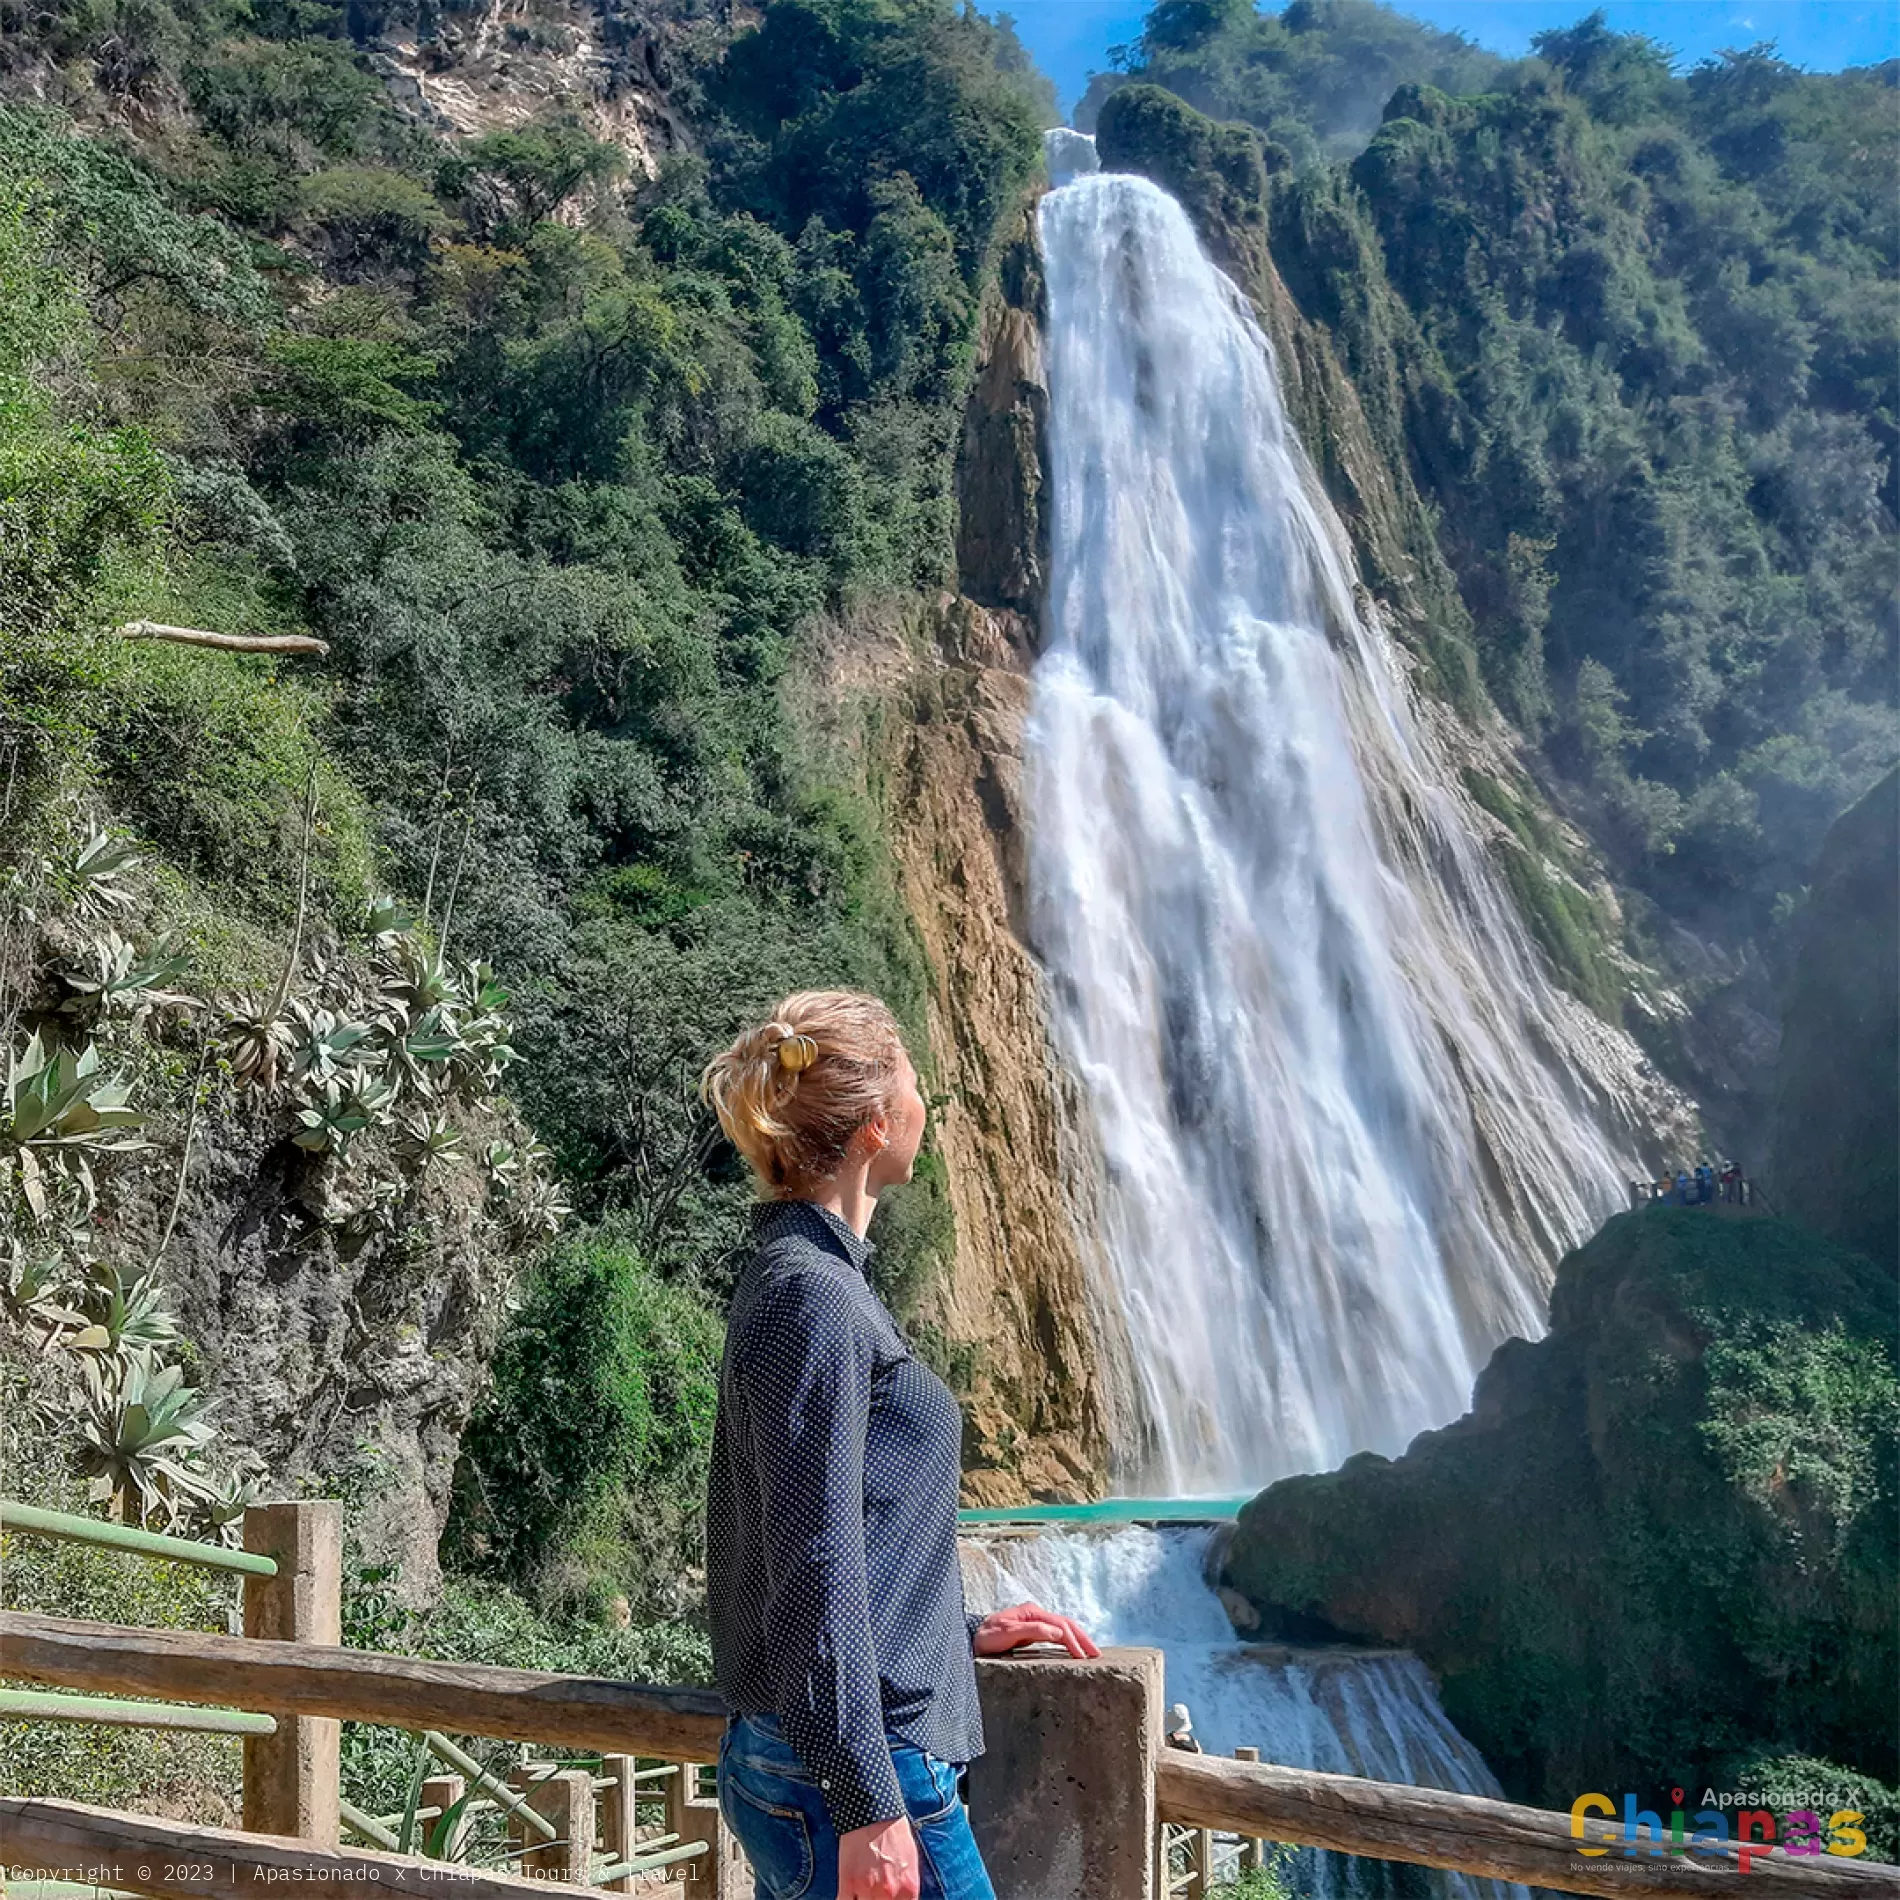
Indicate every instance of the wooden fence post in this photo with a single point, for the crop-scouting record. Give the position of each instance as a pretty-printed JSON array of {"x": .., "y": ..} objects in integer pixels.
[
  {"x": 721, "y": 1872},
  {"x": 291, "y": 1777},
  {"x": 566, "y": 1797},
  {"x": 1253, "y": 1854},
  {"x": 443, "y": 1791},
  {"x": 617, "y": 1817},
  {"x": 1063, "y": 1798}
]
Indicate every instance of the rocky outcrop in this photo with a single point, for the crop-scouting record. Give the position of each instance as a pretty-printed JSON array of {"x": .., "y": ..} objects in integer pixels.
[
  {"x": 935, "y": 696},
  {"x": 1837, "y": 1146},
  {"x": 1002, "y": 514},
  {"x": 505, "y": 63},
  {"x": 1663, "y": 1536},
  {"x": 345, "y": 1340},
  {"x": 1020, "y": 1301}
]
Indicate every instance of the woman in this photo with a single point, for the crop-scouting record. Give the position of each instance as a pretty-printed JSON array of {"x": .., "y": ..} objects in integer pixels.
[{"x": 840, "y": 1640}]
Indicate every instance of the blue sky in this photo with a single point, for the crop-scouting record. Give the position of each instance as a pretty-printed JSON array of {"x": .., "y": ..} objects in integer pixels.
[{"x": 1071, "y": 37}]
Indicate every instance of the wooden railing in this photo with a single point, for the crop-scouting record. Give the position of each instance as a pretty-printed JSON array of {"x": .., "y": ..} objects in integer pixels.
[
  {"x": 288, "y": 1683},
  {"x": 1068, "y": 1802}
]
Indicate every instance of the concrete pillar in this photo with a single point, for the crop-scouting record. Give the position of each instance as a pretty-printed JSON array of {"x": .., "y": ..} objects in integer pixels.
[
  {"x": 1063, "y": 1799},
  {"x": 566, "y": 1797},
  {"x": 291, "y": 1778},
  {"x": 721, "y": 1872}
]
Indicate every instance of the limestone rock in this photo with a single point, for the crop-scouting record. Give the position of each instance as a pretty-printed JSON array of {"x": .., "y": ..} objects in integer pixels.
[
  {"x": 348, "y": 1357},
  {"x": 1002, "y": 517}
]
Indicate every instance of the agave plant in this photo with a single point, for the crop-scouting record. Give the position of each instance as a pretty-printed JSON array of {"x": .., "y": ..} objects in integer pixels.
[
  {"x": 417, "y": 979},
  {"x": 113, "y": 978},
  {"x": 143, "y": 1431},
  {"x": 259, "y": 1041},
  {"x": 340, "y": 1114},
  {"x": 388, "y": 920},
  {"x": 537, "y": 1208},
  {"x": 226, "y": 1500},
  {"x": 62, "y": 1098},
  {"x": 502, "y": 1161},
  {"x": 326, "y": 1044},
  {"x": 430, "y": 1136},
  {"x": 96, "y": 872},
  {"x": 127, "y": 1313},
  {"x": 38, "y": 1291}
]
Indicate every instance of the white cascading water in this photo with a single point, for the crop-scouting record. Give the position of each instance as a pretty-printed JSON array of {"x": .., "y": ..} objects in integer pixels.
[
  {"x": 1348, "y": 1711},
  {"x": 1346, "y": 1123}
]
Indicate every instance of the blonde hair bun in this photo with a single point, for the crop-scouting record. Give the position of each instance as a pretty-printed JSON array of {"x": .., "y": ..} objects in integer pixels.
[{"x": 791, "y": 1092}]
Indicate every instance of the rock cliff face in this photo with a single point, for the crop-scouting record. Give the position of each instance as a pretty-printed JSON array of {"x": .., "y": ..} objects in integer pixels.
[
  {"x": 1696, "y": 1469},
  {"x": 1002, "y": 518},
  {"x": 1020, "y": 1299},
  {"x": 349, "y": 1357},
  {"x": 1837, "y": 1147},
  {"x": 504, "y": 63}
]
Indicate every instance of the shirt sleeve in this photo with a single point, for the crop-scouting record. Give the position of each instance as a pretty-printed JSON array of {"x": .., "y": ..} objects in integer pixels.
[
  {"x": 806, "y": 1376},
  {"x": 974, "y": 1623}
]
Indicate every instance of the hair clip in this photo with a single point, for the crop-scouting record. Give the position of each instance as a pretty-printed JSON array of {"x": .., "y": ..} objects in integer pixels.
[{"x": 797, "y": 1052}]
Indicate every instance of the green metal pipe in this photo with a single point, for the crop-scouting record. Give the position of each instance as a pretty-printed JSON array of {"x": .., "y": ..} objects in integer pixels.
[
  {"x": 648, "y": 1862},
  {"x": 39, "y": 1705},
  {"x": 358, "y": 1822},
  {"x": 505, "y": 1796},
  {"x": 93, "y": 1530}
]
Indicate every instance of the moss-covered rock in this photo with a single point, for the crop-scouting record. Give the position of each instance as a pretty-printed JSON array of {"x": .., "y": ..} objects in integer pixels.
[
  {"x": 1837, "y": 1143},
  {"x": 1663, "y": 1538},
  {"x": 1218, "y": 172}
]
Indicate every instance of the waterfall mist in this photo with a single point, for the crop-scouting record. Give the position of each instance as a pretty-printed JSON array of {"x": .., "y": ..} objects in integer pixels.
[
  {"x": 1345, "y": 1710},
  {"x": 1346, "y": 1125}
]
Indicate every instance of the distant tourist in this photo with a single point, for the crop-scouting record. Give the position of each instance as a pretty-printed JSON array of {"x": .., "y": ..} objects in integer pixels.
[
  {"x": 1682, "y": 1187},
  {"x": 839, "y": 1637},
  {"x": 1180, "y": 1730},
  {"x": 1704, "y": 1182}
]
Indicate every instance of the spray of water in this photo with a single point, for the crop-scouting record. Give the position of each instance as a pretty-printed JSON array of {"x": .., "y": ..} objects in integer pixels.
[
  {"x": 1346, "y": 1123},
  {"x": 1348, "y": 1711}
]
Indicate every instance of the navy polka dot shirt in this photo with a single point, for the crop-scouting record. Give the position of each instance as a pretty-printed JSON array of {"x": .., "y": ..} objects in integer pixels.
[{"x": 831, "y": 1522}]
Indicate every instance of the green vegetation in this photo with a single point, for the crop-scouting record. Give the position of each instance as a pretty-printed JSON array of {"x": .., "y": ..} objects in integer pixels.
[
  {"x": 563, "y": 462},
  {"x": 1698, "y": 1465},
  {"x": 1625, "y": 331},
  {"x": 594, "y": 1438},
  {"x": 1317, "y": 71},
  {"x": 1837, "y": 1134}
]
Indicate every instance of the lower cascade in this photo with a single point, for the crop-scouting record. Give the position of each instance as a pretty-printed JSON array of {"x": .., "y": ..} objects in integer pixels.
[
  {"x": 1346, "y": 1710},
  {"x": 1346, "y": 1124}
]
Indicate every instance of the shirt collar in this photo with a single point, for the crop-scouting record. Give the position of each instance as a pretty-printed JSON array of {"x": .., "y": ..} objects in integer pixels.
[{"x": 814, "y": 1223}]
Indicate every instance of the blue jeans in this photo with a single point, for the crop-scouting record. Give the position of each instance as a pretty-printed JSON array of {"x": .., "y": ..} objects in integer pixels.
[{"x": 774, "y": 1807}]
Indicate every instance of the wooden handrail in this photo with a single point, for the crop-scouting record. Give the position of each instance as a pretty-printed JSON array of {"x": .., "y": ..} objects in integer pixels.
[
  {"x": 179, "y": 1861},
  {"x": 1473, "y": 1835},
  {"x": 363, "y": 1685},
  {"x": 40, "y": 1522}
]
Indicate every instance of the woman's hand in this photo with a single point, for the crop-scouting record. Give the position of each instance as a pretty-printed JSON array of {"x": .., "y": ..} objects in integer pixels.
[
  {"x": 1025, "y": 1623},
  {"x": 878, "y": 1862}
]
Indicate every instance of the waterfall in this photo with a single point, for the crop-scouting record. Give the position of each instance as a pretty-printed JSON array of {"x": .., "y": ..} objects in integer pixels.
[
  {"x": 1346, "y": 1124},
  {"x": 1349, "y": 1711}
]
